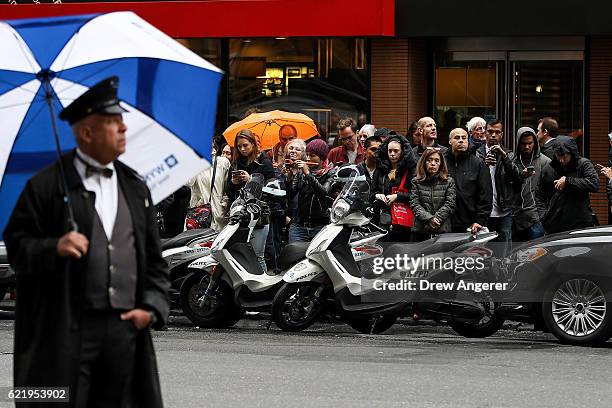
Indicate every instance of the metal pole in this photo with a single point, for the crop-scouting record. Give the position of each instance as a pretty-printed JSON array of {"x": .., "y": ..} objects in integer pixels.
[{"x": 49, "y": 98}]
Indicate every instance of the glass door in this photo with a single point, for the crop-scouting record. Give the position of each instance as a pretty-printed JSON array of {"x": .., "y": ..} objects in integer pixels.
[
  {"x": 548, "y": 84},
  {"x": 467, "y": 84}
]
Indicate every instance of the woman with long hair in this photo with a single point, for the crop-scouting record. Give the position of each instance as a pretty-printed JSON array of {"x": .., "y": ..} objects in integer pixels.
[
  {"x": 396, "y": 166},
  {"x": 246, "y": 161},
  {"x": 432, "y": 196}
]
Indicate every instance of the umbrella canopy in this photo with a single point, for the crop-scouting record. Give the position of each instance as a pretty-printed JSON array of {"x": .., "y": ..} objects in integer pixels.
[
  {"x": 169, "y": 91},
  {"x": 266, "y": 125}
]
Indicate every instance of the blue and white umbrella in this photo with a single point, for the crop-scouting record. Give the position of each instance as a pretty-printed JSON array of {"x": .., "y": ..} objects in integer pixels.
[{"x": 169, "y": 91}]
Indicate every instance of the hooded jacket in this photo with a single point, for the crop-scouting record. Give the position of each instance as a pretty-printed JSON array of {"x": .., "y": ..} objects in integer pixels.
[
  {"x": 474, "y": 191},
  {"x": 528, "y": 206},
  {"x": 569, "y": 208},
  {"x": 407, "y": 166}
]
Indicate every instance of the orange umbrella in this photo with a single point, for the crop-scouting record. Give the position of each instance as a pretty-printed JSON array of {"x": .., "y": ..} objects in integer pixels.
[{"x": 266, "y": 125}]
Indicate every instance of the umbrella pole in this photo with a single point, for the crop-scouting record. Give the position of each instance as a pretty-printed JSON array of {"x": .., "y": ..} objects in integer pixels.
[{"x": 49, "y": 98}]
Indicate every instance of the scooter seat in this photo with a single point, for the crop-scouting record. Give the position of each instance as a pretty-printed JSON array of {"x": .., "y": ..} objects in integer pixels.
[
  {"x": 291, "y": 254},
  {"x": 442, "y": 243},
  {"x": 185, "y": 237}
]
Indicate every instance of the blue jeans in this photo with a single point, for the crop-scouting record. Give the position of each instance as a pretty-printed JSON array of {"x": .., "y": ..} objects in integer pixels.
[
  {"x": 531, "y": 233},
  {"x": 302, "y": 234},
  {"x": 258, "y": 240},
  {"x": 503, "y": 227}
]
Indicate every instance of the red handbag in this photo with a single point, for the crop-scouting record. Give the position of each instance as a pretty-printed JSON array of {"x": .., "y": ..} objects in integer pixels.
[{"x": 401, "y": 213}]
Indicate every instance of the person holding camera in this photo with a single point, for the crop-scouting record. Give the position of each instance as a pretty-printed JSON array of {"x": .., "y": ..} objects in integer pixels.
[
  {"x": 505, "y": 179},
  {"x": 248, "y": 159},
  {"x": 530, "y": 162}
]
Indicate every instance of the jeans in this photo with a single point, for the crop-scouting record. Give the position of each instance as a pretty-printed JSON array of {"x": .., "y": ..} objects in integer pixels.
[
  {"x": 302, "y": 234},
  {"x": 503, "y": 227},
  {"x": 274, "y": 242},
  {"x": 533, "y": 232},
  {"x": 258, "y": 240}
]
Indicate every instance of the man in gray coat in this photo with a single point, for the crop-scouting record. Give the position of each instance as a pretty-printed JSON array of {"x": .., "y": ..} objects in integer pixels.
[{"x": 530, "y": 161}]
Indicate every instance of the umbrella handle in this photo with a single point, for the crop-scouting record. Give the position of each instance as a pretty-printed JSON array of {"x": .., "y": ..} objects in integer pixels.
[{"x": 49, "y": 98}]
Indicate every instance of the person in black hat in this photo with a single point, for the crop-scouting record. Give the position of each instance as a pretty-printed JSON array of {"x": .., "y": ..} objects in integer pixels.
[{"x": 88, "y": 295}]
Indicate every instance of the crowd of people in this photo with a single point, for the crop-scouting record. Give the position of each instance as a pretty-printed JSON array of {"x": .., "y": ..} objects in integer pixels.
[{"x": 418, "y": 187}]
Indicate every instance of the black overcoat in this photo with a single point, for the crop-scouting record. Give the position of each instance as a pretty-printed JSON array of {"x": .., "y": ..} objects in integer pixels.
[{"x": 49, "y": 308}]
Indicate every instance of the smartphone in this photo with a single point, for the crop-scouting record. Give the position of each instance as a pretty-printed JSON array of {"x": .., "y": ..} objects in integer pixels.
[
  {"x": 236, "y": 173},
  {"x": 530, "y": 168}
]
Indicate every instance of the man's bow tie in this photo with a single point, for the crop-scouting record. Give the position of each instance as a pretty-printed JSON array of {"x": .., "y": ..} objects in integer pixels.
[{"x": 92, "y": 170}]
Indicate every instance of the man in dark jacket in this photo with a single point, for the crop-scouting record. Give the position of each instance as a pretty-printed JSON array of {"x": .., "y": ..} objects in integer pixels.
[
  {"x": 565, "y": 185},
  {"x": 368, "y": 166},
  {"x": 529, "y": 160},
  {"x": 87, "y": 296},
  {"x": 505, "y": 177},
  {"x": 429, "y": 136},
  {"x": 472, "y": 182},
  {"x": 548, "y": 128}
]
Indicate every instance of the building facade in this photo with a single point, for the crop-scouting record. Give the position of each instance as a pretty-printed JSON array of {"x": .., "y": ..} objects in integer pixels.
[{"x": 389, "y": 62}]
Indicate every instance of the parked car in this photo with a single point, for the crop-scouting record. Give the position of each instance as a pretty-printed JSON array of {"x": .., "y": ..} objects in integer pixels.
[
  {"x": 7, "y": 275},
  {"x": 563, "y": 283}
]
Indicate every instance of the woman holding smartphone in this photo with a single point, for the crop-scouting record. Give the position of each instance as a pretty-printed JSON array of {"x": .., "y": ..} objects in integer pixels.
[{"x": 247, "y": 159}]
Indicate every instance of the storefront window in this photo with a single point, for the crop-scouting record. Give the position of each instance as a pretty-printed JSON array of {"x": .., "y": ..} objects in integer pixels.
[
  {"x": 325, "y": 79},
  {"x": 464, "y": 89},
  {"x": 549, "y": 88}
]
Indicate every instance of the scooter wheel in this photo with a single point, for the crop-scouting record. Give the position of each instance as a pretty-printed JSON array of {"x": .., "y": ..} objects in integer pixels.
[
  {"x": 372, "y": 325},
  {"x": 296, "y": 306},
  {"x": 218, "y": 311}
]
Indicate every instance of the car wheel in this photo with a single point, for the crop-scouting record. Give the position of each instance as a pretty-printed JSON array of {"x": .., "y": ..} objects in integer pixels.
[{"x": 578, "y": 311}]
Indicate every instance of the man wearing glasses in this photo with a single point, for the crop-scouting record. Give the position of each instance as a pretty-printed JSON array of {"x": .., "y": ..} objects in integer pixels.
[
  {"x": 505, "y": 178},
  {"x": 349, "y": 150}
]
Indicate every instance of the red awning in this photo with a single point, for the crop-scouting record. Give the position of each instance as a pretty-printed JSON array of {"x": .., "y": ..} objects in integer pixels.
[{"x": 239, "y": 18}]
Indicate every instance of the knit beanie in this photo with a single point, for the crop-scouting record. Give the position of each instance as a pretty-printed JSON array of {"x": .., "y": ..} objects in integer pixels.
[{"x": 318, "y": 147}]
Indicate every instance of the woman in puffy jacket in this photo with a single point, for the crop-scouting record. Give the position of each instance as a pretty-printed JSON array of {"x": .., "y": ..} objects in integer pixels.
[
  {"x": 432, "y": 196},
  {"x": 396, "y": 166}
]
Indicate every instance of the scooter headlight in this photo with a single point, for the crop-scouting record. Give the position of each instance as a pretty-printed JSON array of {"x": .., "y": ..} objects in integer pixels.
[{"x": 341, "y": 208}]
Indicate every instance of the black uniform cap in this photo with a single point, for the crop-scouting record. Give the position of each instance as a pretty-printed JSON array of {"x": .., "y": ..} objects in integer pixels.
[{"x": 100, "y": 98}]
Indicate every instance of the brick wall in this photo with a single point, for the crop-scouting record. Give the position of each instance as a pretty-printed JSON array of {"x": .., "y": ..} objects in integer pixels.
[
  {"x": 399, "y": 82},
  {"x": 599, "y": 99}
]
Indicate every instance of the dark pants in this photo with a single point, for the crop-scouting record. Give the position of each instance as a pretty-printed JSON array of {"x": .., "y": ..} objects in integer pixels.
[
  {"x": 398, "y": 234},
  {"x": 274, "y": 243},
  {"x": 107, "y": 361},
  {"x": 303, "y": 234},
  {"x": 503, "y": 227},
  {"x": 528, "y": 234}
]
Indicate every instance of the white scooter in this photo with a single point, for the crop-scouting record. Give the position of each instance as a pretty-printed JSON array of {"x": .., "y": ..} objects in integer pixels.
[
  {"x": 336, "y": 274},
  {"x": 230, "y": 280},
  {"x": 180, "y": 251}
]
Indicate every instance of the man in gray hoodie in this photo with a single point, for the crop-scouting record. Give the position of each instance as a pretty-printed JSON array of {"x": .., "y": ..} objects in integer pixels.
[{"x": 530, "y": 161}]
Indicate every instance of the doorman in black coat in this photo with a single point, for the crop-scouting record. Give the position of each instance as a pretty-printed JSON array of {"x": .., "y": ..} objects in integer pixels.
[{"x": 87, "y": 297}]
